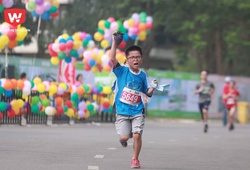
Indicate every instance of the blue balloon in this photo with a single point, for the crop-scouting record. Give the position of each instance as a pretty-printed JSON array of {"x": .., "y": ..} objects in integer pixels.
[
  {"x": 45, "y": 16},
  {"x": 64, "y": 116},
  {"x": 133, "y": 37},
  {"x": 0, "y": 33},
  {"x": 125, "y": 37},
  {"x": 92, "y": 62},
  {"x": 70, "y": 39},
  {"x": 62, "y": 40},
  {"x": 7, "y": 93},
  {"x": 88, "y": 37},
  {"x": 34, "y": 14},
  {"x": 68, "y": 59}
]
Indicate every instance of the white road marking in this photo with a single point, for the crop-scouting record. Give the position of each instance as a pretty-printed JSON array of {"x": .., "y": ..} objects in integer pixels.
[
  {"x": 99, "y": 156},
  {"x": 93, "y": 167},
  {"x": 111, "y": 148}
]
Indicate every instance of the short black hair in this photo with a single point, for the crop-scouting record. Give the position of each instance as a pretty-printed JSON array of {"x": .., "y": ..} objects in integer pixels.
[
  {"x": 133, "y": 48},
  {"x": 23, "y": 75},
  {"x": 77, "y": 77}
]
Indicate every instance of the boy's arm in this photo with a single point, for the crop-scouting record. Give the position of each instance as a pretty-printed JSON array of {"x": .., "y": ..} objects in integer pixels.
[
  {"x": 152, "y": 89},
  {"x": 113, "y": 52}
]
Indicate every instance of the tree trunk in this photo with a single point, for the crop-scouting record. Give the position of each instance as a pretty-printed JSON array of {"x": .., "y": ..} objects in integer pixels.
[{"x": 218, "y": 52}]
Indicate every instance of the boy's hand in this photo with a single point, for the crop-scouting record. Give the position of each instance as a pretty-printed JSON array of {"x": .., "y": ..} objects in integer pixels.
[{"x": 117, "y": 38}]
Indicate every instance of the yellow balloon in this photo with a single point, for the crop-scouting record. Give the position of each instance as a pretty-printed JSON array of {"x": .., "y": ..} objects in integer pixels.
[
  {"x": 54, "y": 60},
  {"x": 41, "y": 88},
  {"x": 86, "y": 116},
  {"x": 100, "y": 54},
  {"x": 107, "y": 90},
  {"x": 16, "y": 110},
  {"x": 37, "y": 80},
  {"x": 94, "y": 97},
  {"x": 4, "y": 39},
  {"x": 2, "y": 46},
  {"x": 20, "y": 103},
  {"x": 98, "y": 36},
  {"x": 105, "y": 44},
  {"x": 94, "y": 69},
  {"x": 56, "y": 3},
  {"x": 131, "y": 23},
  {"x": 101, "y": 24},
  {"x": 142, "y": 35},
  {"x": 70, "y": 112},
  {"x": 76, "y": 36},
  {"x": 77, "y": 44},
  {"x": 93, "y": 56},
  {"x": 121, "y": 58},
  {"x": 14, "y": 103},
  {"x": 63, "y": 86},
  {"x": 53, "y": 89},
  {"x": 65, "y": 36},
  {"x": 21, "y": 33}
]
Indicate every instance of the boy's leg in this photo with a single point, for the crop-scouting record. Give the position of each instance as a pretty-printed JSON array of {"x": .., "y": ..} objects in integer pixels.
[
  {"x": 137, "y": 129},
  {"x": 224, "y": 114},
  {"x": 123, "y": 128}
]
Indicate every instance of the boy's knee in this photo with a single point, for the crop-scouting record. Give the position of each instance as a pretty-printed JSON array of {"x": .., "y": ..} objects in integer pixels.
[
  {"x": 124, "y": 138},
  {"x": 136, "y": 136}
]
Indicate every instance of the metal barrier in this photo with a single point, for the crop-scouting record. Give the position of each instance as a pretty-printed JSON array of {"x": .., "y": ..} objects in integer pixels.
[{"x": 6, "y": 119}]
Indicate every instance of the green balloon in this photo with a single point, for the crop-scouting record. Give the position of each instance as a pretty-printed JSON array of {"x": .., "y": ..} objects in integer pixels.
[
  {"x": 42, "y": 114},
  {"x": 119, "y": 24},
  {"x": 1, "y": 90},
  {"x": 52, "y": 9},
  {"x": 61, "y": 55},
  {"x": 73, "y": 53},
  {"x": 100, "y": 31},
  {"x": 35, "y": 108},
  {"x": 73, "y": 103},
  {"x": 20, "y": 43},
  {"x": 100, "y": 89},
  {"x": 1, "y": 8},
  {"x": 143, "y": 15},
  {"x": 107, "y": 24},
  {"x": 75, "y": 97},
  {"x": 32, "y": 5},
  {"x": 86, "y": 88},
  {"x": 85, "y": 43},
  {"x": 65, "y": 108},
  {"x": 45, "y": 102},
  {"x": 90, "y": 107},
  {"x": 143, "y": 20},
  {"x": 35, "y": 100},
  {"x": 123, "y": 30},
  {"x": 3, "y": 106},
  {"x": 32, "y": 84}
]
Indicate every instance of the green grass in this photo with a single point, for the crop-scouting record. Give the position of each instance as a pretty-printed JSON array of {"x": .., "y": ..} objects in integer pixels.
[{"x": 174, "y": 114}]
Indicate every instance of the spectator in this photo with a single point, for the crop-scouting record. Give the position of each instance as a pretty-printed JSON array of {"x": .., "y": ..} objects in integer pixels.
[
  {"x": 79, "y": 79},
  {"x": 224, "y": 91},
  {"x": 23, "y": 76}
]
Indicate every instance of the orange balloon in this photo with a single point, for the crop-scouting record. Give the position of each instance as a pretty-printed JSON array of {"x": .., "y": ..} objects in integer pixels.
[
  {"x": 80, "y": 90},
  {"x": 142, "y": 26},
  {"x": 14, "y": 83},
  {"x": 12, "y": 44},
  {"x": 43, "y": 96},
  {"x": 107, "y": 68},
  {"x": 8, "y": 85},
  {"x": 20, "y": 84},
  {"x": 59, "y": 101},
  {"x": 85, "y": 61}
]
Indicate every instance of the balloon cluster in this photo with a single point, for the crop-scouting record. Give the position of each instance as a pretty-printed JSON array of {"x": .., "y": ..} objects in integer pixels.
[
  {"x": 65, "y": 47},
  {"x": 139, "y": 26},
  {"x": 105, "y": 30},
  {"x": 96, "y": 60},
  {"x": 45, "y": 8},
  {"x": 5, "y": 4},
  {"x": 13, "y": 108},
  {"x": 11, "y": 36}
]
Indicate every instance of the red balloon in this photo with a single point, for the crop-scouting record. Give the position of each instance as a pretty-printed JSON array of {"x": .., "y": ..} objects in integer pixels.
[
  {"x": 60, "y": 109},
  {"x": 11, "y": 113},
  {"x": 55, "y": 14},
  {"x": 1, "y": 115},
  {"x": 52, "y": 53},
  {"x": 69, "y": 44},
  {"x": 50, "y": 46},
  {"x": 149, "y": 26},
  {"x": 68, "y": 103},
  {"x": 122, "y": 45},
  {"x": 87, "y": 67},
  {"x": 106, "y": 105},
  {"x": 11, "y": 35},
  {"x": 62, "y": 46}
]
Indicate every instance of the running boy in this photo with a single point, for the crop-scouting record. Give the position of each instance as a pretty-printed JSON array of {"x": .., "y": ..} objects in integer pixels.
[
  {"x": 131, "y": 83},
  {"x": 205, "y": 89}
]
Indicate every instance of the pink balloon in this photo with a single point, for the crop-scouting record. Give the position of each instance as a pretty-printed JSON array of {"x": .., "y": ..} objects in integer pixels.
[
  {"x": 82, "y": 35},
  {"x": 62, "y": 46},
  {"x": 114, "y": 26},
  {"x": 87, "y": 54},
  {"x": 149, "y": 19},
  {"x": 81, "y": 113},
  {"x": 111, "y": 19},
  {"x": 80, "y": 50},
  {"x": 39, "y": 9},
  {"x": 60, "y": 91},
  {"x": 7, "y": 3},
  {"x": 135, "y": 17},
  {"x": 69, "y": 44},
  {"x": 82, "y": 105},
  {"x": 125, "y": 24},
  {"x": 46, "y": 6}
]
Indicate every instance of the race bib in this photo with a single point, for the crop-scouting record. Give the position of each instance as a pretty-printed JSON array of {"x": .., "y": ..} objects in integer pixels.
[
  {"x": 131, "y": 97},
  {"x": 230, "y": 101}
]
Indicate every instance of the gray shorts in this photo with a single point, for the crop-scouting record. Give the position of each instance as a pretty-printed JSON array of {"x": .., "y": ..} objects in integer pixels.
[{"x": 127, "y": 124}]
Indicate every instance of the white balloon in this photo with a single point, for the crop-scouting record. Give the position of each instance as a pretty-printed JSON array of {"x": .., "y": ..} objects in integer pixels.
[
  {"x": 136, "y": 17},
  {"x": 26, "y": 91},
  {"x": 91, "y": 44},
  {"x": 49, "y": 110},
  {"x": 149, "y": 19}
]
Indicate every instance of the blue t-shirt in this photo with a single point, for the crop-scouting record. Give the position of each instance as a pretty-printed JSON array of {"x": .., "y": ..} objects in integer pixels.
[{"x": 133, "y": 81}]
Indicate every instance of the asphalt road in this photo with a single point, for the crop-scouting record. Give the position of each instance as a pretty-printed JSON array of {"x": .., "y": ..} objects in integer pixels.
[{"x": 167, "y": 145}]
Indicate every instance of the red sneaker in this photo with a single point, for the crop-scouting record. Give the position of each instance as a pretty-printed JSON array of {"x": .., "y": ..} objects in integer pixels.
[{"x": 135, "y": 163}]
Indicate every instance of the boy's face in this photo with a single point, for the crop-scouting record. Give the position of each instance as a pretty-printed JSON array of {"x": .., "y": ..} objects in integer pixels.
[
  {"x": 134, "y": 60},
  {"x": 203, "y": 75}
]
